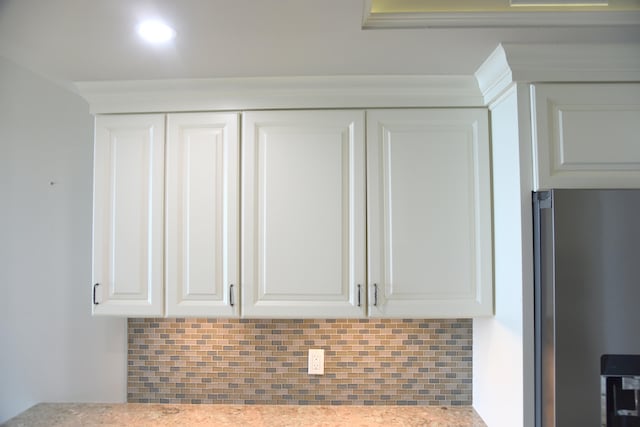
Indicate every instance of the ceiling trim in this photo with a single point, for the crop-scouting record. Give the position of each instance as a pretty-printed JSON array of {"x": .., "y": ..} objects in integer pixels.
[
  {"x": 228, "y": 94},
  {"x": 537, "y": 63},
  {"x": 508, "y": 64},
  {"x": 377, "y": 20}
]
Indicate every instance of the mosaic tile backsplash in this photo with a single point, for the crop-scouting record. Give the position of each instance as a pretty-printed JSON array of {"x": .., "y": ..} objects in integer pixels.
[{"x": 241, "y": 361}]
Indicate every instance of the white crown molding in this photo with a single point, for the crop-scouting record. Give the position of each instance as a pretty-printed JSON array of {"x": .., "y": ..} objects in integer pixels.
[
  {"x": 508, "y": 64},
  {"x": 494, "y": 76},
  {"x": 498, "y": 19},
  {"x": 279, "y": 93},
  {"x": 531, "y": 63}
]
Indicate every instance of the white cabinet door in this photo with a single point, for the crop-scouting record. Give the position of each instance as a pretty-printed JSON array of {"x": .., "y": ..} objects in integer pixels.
[
  {"x": 586, "y": 135},
  {"x": 429, "y": 213},
  {"x": 128, "y": 215},
  {"x": 202, "y": 214},
  {"x": 303, "y": 214}
]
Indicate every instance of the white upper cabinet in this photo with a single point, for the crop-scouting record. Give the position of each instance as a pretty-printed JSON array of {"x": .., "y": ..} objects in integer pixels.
[
  {"x": 586, "y": 135},
  {"x": 280, "y": 230},
  {"x": 202, "y": 210},
  {"x": 429, "y": 213},
  {"x": 303, "y": 214},
  {"x": 128, "y": 215}
]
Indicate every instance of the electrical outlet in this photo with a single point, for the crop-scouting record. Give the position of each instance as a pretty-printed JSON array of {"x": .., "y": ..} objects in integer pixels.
[{"x": 316, "y": 361}]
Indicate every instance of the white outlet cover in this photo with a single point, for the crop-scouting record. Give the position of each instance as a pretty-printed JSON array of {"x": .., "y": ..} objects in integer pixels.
[{"x": 316, "y": 361}]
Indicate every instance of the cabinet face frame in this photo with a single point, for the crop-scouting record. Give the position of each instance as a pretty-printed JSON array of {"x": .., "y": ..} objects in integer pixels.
[
  {"x": 276, "y": 144},
  {"x": 401, "y": 288},
  {"x": 202, "y": 209},
  {"x": 128, "y": 215}
]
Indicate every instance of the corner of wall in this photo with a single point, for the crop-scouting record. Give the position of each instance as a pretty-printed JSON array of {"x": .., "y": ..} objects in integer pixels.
[{"x": 52, "y": 349}]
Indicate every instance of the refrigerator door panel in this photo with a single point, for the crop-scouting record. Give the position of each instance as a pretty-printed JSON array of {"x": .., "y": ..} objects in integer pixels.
[{"x": 595, "y": 277}]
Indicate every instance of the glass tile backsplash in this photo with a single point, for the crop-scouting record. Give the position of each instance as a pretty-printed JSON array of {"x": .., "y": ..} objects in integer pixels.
[{"x": 241, "y": 361}]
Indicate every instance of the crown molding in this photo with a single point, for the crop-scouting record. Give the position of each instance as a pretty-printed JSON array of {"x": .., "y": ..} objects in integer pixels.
[
  {"x": 226, "y": 94},
  {"x": 374, "y": 20},
  {"x": 531, "y": 63},
  {"x": 507, "y": 64},
  {"x": 494, "y": 76}
]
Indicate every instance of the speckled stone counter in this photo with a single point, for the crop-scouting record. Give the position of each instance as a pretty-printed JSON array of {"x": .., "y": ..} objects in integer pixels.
[{"x": 134, "y": 414}]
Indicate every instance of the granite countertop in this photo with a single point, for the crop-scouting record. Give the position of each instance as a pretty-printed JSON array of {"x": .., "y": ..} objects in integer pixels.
[{"x": 139, "y": 414}]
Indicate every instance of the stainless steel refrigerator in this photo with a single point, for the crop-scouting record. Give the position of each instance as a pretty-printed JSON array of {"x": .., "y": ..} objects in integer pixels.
[{"x": 587, "y": 304}]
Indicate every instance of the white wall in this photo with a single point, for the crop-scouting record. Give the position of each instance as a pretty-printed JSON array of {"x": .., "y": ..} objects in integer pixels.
[
  {"x": 51, "y": 349},
  {"x": 502, "y": 345}
]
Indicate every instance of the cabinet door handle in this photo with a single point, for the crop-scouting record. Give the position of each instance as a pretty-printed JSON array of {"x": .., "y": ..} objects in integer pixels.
[
  {"x": 375, "y": 294},
  {"x": 359, "y": 302},
  {"x": 231, "y": 295},
  {"x": 94, "y": 294}
]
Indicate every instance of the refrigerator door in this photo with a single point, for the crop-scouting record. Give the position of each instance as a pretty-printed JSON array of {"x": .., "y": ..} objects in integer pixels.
[{"x": 587, "y": 296}]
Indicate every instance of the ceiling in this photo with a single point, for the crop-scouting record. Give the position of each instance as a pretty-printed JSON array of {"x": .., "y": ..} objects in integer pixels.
[{"x": 88, "y": 40}]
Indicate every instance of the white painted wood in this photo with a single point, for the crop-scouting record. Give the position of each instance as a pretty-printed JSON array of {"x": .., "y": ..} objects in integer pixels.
[
  {"x": 429, "y": 213},
  {"x": 202, "y": 209},
  {"x": 537, "y": 63},
  {"x": 586, "y": 62},
  {"x": 303, "y": 214},
  {"x": 586, "y": 135},
  {"x": 503, "y": 380},
  {"x": 128, "y": 215},
  {"x": 494, "y": 75},
  {"x": 291, "y": 92}
]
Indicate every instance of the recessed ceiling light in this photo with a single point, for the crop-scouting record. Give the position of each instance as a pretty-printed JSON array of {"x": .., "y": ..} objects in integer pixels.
[{"x": 155, "y": 31}]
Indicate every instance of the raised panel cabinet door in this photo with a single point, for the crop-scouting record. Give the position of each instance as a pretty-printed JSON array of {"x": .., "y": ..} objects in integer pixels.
[
  {"x": 128, "y": 215},
  {"x": 429, "y": 213},
  {"x": 303, "y": 214},
  {"x": 586, "y": 135},
  {"x": 201, "y": 253}
]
